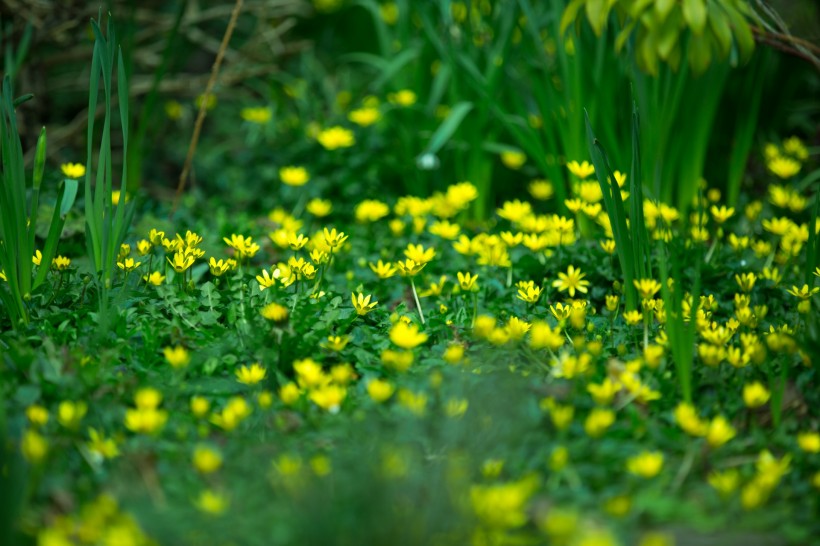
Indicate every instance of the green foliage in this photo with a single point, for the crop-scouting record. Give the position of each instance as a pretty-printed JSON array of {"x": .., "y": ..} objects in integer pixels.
[
  {"x": 106, "y": 223},
  {"x": 668, "y": 31},
  {"x": 18, "y": 225}
]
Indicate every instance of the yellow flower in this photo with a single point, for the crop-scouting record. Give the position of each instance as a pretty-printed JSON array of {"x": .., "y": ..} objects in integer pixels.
[
  {"x": 399, "y": 361},
  {"x": 33, "y": 446},
  {"x": 218, "y": 267},
  {"x": 251, "y": 375},
  {"x": 334, "y": 238},
  {"x": 73, "y": 170},
  {"x": 156, "y": 278},
  {"x": 177, "y": 357},
  {"x": 541, "y": 189},
  {"x": 371, "y": 210},
  {"x": 646, "y": 464},
  {"x": 336, "y": 343},
  {"x": 415, "y": 402},
  {"x": 275, "y": 312},
  {"x": 582, "y": 170},
  {"x": 289, "y": 393},
  {"x": 211, "y": 502},
  {"x": 181, "y": 262},
  {"x": 102, "y": 447},
  {"x": 407, "y": 336},
  {"x": 721, "y": 214},
  {"x": 719, "y": 432},
  {"x": 410, "y": 268},
  {"x": 206, "y": 460},
  {"x": 466, "y": 281},
  {"x": 604, "y": 392},
  {"x": 647, "y": 288},
  {"x": 529, "y": 292},
  {"x": 259, "y": 115},
  {"x": 809, "y": 442},
  {"x": 37, "y": 415},
  {"x": 319, "y": 207},
  {"x": 687, "y": 418},
  {"x": 329, "y": 397},
  {"x": 419, "y": 254},
  {"x": 69, "y": 413},
  {"x": 383, "y": 270},
  {"x": 755, "y": 394},
  {"x": 513, "y": 159},
  {"x": 803, "y": 293},
  {"x": 200, "y": 406},
  {"x": 598, "y": 421},
  {"x": 336, "y": 137},
  {"x": 380, "y": 390},
  {"x": 173, "y": 109},
  {"x": 404, "y": 98},
  {"x": 726, "y": 482},
  {"x": 128, "y": 265},
  {"x": 514, "y": 211},
  {"x": 362, "y": 303},
  {"x": 571, "y": 281},
  {"x": 542, "y": 336},
  {"x": 784, "y": 167},
  {"x": 633, "y": 317},
  {"x": 60, "y": 263},
  {"x": 454, "y": 353},
  {"x": 265, "y": 280},
  {"x": 364, "y": 117},
  {"x": 294, "y": 176},
  {"x": 445, "y": 230}
]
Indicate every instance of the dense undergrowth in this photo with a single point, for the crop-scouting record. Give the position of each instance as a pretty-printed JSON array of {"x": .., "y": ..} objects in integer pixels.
[{"x": 322, "y": 361}]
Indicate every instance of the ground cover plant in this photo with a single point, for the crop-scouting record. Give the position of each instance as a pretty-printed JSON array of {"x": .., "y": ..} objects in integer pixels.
[{"x": 426, "y": 308}]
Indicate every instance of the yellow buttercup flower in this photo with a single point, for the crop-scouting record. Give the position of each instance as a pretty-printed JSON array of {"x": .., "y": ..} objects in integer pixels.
[
  {"x": 251, "y": 375},
  {"x": 275, "y": 312},
  {"x": 466, "y": 281},
  {"x": 362, "y": 303},
  {"x": 336, "y": 137},
  {"x": 407, "y": 336},
  {"x": 206, "y": 460},
  {"x": 380, "y": 390},
  {"x": 755, "y": 394},
  {"x": 294, "y": 176},
  {"x": 513, "y": 159},
  {"x": 259, "y": 115},
  {"x": 571, "y": 281},
  {"x": 647, "y": 464},
  {"x": 581, "y": 170},
  {"x": 73, "y": 170},
  {"x": 177, "y": 357},
  {"x": 383, "y": 270}
]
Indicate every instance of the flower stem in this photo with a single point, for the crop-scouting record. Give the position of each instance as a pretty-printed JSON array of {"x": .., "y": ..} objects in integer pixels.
[{"x": 416, "y": 297}]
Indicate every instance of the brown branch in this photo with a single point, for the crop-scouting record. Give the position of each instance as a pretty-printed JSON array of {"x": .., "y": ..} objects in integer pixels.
[{"x": 203, "y": 107}]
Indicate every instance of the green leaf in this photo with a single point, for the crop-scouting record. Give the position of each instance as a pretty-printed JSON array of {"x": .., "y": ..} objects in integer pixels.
[
  {"x": 597, "y": 13},
  {"x": 719, "y": 24},
  {"x": 700, "y": 55},
  {"x": 448, "y": 127},
  {"x": 70, "y": 188},
  {"x": 570, "y": 14},
  {"x": 694, "y": 13}
]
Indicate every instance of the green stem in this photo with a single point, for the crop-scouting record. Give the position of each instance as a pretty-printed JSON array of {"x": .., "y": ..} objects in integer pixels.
[{"x": 416, "y": 297}]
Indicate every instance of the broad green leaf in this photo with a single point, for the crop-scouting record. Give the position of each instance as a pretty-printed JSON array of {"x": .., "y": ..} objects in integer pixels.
[
  {"x": 694, "y": 13},
  {"x": 570, "y": 14},
  {"x": 448, "y": 127},
  {"x": 663, "y": 7},
  {"x": 700, "y": 55},
  {"x": 597, "y": 13},
  {"x": 719, "y": 24},
  {"x": 742, "y": 33}
]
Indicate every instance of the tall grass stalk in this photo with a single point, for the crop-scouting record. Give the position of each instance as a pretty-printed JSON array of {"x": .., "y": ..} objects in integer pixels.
[
  {"x": 106, "y": 223},
  {"x": 631, "y": 241},
  {"x": 18, "y": 221}
]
